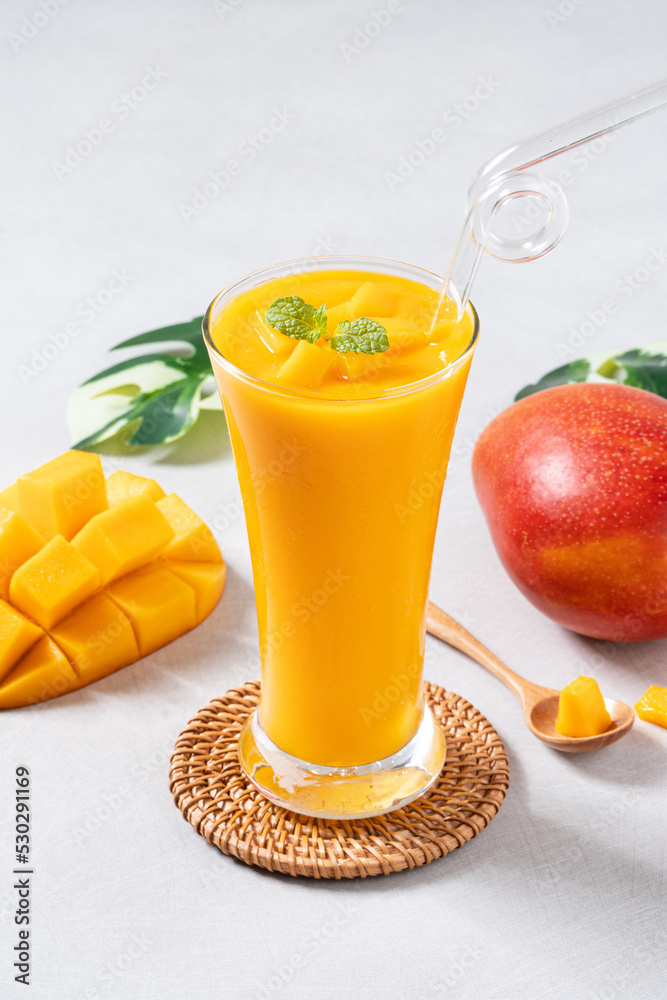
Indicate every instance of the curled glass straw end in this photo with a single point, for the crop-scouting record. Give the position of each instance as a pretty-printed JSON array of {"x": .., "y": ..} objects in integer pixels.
[{"x": 505, "y": 178}]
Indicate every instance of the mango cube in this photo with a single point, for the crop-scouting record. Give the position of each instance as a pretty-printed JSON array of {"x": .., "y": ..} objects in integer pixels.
[
  {"x": 159, "y": 604},
  {"x": 124, "y": 537},
  {"x": 43, "y": 673},
  {"x": 307, "y": 365},
  {"x": 9, "y": 498},
  {"x": 61, "y": 496},
  {"x": 359, "y": 366},
  {"x": 17, "y": 635},
  {"x": 124, "y": 485},
  {"x": 339, "y": 314},
  {"x": 138, "y": 570},
  {"x": 371, "y": 300},
  {"x": 18, "y": 542},
  {"x": 652, "y": 706},
  {"x": 51, "y": 584},
  {"x": 193, "y": 540},
  {"x": 581, "y": 709},
  {"x": 206, "y": 579},
  {"x": 97, "y": 639},
  {"x": 276, "y": 343}
]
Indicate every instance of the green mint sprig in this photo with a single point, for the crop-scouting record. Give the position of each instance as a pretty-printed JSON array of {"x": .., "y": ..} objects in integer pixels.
[
  {"x": 296, "y": 318},
  {"x": 363, "y": 336}
]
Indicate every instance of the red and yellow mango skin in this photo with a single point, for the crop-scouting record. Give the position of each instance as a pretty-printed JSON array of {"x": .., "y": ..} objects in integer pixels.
[{"x": 573, "y": 485}]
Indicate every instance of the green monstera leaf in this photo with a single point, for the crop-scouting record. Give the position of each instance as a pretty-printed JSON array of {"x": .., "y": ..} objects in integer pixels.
[
  {"x": 644, "y": 367},
  {"x": 156, "y": 396}
]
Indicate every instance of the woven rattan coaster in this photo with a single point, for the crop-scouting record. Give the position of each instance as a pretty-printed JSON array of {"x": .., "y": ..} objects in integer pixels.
[{"x": 217, "y": 799}]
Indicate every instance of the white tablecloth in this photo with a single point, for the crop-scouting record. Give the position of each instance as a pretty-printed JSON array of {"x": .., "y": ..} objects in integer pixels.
[{"x": 319, "y": 105}]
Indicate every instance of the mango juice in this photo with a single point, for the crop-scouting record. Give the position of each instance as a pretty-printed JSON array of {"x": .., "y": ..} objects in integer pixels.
[{"x": 341, "y": 457}]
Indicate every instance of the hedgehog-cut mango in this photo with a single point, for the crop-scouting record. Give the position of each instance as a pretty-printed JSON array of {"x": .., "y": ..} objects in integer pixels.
[{"x": 94, "y": 574}]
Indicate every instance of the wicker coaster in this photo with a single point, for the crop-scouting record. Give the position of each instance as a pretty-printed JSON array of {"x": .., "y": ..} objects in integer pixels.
[{"x": 216, "y": 798}]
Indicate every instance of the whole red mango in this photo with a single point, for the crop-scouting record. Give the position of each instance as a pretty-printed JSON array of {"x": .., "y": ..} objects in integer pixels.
[{"x": 573, "y": 485}]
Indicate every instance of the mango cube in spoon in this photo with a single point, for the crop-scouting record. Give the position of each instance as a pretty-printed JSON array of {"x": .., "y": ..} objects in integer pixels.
[
  {"x": 124, "y": 537},
  {"x": 581, "y": 709},
  {"x": 53, "y": 582},
  {"x": 652, "y": 706},
  {"x": 60, "y": 497}
]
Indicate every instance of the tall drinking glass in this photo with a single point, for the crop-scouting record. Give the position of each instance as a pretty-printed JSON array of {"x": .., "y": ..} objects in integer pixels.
[{"x": 341, "y": 492}]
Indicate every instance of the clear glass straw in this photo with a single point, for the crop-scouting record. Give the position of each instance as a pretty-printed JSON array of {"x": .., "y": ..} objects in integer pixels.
[{"x": 508, "y": 176}]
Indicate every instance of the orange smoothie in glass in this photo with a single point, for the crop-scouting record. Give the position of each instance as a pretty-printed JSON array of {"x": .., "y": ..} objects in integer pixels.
[{"x": 341, "y": 456}]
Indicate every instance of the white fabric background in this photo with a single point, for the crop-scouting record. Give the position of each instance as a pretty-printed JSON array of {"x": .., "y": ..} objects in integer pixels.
[{"x": 563, "y": 896}]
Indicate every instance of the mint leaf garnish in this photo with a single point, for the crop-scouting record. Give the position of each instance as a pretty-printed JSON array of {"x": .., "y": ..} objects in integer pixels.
[
  {"x": 362, "y": 336},
  {"x": 296, "y": 318}
]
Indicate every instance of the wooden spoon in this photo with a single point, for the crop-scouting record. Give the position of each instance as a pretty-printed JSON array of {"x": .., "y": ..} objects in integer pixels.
[{"x": 539, "y": 704}]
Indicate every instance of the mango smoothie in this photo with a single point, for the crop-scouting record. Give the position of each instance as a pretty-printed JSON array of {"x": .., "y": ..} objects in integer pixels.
[{"x": 341, "y": 436}]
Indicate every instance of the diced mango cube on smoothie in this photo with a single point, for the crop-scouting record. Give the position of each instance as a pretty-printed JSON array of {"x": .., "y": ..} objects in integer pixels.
[
  {"x": 371, "y": 300},
  {"x": 17, "y": 635},
  {"x": 53, "y": 582},
  {"x": 581, "y": 709},
  {"x": 359, "y": 366},
  {"x": 403, "y": 333},
  {"x": 307, "y": 365},
  {"x": 276, "y": 343},
  {"x": 18, "y": 542},
  {"x": 652, "y": 706},
  {"x": 339, "y": 314},
  {"x": 43, "y": 673},
  {"x": 124, "y": 485},
  {"x": 61, "y": 496},
  {"x": 192, "y": 540},
  {"x": 124, "y": 537},
  {"x": 97, "y": 639},
  {"x": 159, "y": 604},
  {"x": 206, "y": 579},
  {"x": 9, "y": 498}
]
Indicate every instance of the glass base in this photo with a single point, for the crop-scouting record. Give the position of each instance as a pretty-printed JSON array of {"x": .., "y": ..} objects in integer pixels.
[{"x": 343, "y": 792}]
